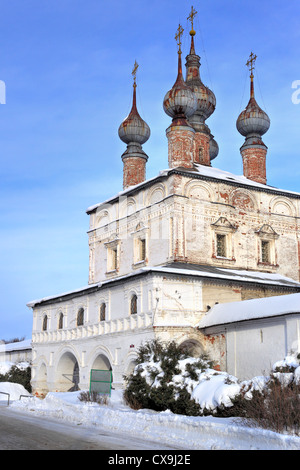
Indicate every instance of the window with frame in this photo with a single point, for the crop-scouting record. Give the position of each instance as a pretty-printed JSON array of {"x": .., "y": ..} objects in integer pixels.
[
  {"x": 45, "y": 323},
  {"x": 112, "y": 259},
  {"x": 60, "y": 321},
  {"x": 102, "y": 311},
  {"x": 133, "y": 304},
  {"x": 141, "y": 249},
  {"x": 265, "y": 251},
  {"x": 221, "y": 245},
  {"x": 80, "y": 317}
]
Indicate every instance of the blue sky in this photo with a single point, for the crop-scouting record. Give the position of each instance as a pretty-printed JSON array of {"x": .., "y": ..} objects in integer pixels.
[{"x": 67, "y": 68}]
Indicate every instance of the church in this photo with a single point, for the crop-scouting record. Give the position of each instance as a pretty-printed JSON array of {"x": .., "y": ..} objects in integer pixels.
[{"x": 182, "y": 255}]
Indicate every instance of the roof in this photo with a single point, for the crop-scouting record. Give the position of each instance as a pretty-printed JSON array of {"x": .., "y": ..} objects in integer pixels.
[
  {"x": 185, "y": 269},
  {"x": 232, "y": 312},
  {"x": 16, "y": 346},
  {"x": 202, "y": 172}
]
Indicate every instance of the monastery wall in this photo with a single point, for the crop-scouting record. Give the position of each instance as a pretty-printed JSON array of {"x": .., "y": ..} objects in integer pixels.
[{"x": 188, "y": 219}]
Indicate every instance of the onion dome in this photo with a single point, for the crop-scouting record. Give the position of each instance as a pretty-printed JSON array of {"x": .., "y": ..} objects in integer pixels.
[
  {"x": 213, "y": 148},
  {"x": 253, "y": 121},
  {"x": 206, "y": 100},
  {"x": 134, "y": 130},
  {"x": 179, "y": 102}
]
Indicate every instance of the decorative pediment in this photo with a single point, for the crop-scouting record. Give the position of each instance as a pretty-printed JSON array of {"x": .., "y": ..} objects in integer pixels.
[
  {"x": 113, "y": 241},
  {"x": 139, "y": 229},
  {"x": 223, "y": 224},
  {"x": 267, "y": 232}
]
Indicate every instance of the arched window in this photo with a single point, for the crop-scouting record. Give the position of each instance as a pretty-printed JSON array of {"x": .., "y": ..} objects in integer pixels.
[
  {"x": 45, "y": 322},
  {"x": 80, "y": 317},
  {"x": 61, "y": 321},
  {"x": 102, "y": 311},
  {"x": 133, "y": 304}
]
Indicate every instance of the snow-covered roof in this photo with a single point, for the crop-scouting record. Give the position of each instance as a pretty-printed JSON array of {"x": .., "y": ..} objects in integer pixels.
[
  {"x": 199, "y": 171},
  {"x": 232, "y": 312},
  {"x": 16, "y": 346},
  {"x": 186, "y": 269}
]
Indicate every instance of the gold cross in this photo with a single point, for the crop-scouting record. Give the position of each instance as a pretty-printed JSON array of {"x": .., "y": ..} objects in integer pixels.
[
  {"x": 136, "y": 65},
  {"x": 250, "y": 63},
  {"x": 192, "y": 16},
  {"x": 178, "y": 37}
]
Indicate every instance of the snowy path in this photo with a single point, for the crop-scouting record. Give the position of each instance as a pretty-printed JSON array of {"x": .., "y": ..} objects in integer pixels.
[
  {"x": 116, "y": 426},
  {"x": 143, "y": 427},
  {"x": 23, "y": 431}
]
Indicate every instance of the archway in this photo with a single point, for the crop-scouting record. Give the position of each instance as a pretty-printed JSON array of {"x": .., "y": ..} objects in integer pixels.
[
  {"x": 67, "y": 373},
  {"x": 102, "y": 363},
  {"x": 192, "y": 347}
]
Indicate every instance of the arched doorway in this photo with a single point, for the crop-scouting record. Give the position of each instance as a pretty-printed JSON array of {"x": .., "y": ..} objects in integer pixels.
[
  {"x": 102, "y": 363},
  {"x": 192, "y": 347},
  {"x": 67, "y": 373}
]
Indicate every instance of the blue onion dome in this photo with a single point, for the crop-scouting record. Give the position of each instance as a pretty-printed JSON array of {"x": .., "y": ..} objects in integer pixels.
[
  {"x": 206, "y": 100},
  {"x": 253, "y": 120},
  {"x": 134, "y": 129},
  {"x": 180, "y": 102}
]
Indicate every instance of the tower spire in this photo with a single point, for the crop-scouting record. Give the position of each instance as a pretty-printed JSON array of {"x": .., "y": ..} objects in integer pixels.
[
  {"x": 253, "y": 123},
  {"x": 180, "y": 102},
  {"x": 134, "y": 131},
  {"x": 192, "y": 31},
  {"x": 205, "y": 147},
  {"x": 251, "y": 65}
]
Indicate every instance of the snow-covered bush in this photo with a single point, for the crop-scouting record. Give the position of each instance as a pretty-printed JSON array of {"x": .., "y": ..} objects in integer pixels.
[
  {"x": 273, "y": 402},
  {"x": 167, "y": 378}
]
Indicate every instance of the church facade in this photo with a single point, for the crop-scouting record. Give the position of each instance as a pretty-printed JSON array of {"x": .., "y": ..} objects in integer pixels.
[{"x": 165, "y": 250}]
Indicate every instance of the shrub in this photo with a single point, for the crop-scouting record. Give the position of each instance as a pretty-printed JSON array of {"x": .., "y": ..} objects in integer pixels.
[
  {"x": 18, "y": 375},
  {"x": 275, "y": 407},
  {"x": 153, "y": 383}
]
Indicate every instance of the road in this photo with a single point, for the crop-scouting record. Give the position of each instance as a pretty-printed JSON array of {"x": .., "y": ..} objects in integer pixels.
[{"x": 21, "y": 431}]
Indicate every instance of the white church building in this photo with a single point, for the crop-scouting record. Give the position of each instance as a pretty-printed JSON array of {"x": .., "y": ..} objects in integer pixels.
[{"x": 172, "y": 257}]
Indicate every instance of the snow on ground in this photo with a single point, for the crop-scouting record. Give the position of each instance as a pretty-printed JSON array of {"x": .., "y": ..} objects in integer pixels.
[{"x": 166, "y": 428}]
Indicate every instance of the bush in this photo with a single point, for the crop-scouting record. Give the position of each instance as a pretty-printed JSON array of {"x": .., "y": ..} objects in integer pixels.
[
  {"x": 153, "y": 383},
  {"x": 275, "y": 406},
  {"x": 18, "y": 375}
]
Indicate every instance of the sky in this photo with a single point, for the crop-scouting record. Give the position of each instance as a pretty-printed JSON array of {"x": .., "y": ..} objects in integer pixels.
[{"x": 66, "y": 86}]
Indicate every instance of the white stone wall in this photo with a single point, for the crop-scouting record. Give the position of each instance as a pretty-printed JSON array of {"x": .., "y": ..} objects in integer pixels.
[
  {"x": 253, "y": 347},
  {"x": 180, "y": 218},
  {"x": 167, "y": 306}
]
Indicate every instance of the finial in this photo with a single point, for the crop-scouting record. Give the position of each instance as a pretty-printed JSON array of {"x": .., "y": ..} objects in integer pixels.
[
  {"x": 191, "y": 18},
  {"x": 250, "y": 64},
  {"x": 178, "y": 37},
  {"x": 133, "y": 73}
]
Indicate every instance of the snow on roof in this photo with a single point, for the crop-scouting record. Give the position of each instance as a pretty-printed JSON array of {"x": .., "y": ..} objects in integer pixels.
[
  {"x": 16, "y": 346},
  {"x": 187, "y": 270},
  {"x": 199, "y": 170},
  {"x": 230, "y": 274},
  {"x": 232, "y": 312}
]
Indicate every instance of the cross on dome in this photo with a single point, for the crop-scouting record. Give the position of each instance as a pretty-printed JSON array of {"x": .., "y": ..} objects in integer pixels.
[{"x": 191, "y": 18}]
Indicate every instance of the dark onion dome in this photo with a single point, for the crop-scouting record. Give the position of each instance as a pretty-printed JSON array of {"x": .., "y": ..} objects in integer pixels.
[
  {"x": 180, "y": 102},
  {"x": 253, "y": 120},
  {"x": 213, "y": 148},
  {"x": 206, "y": 100},
  {"x": 134, "y": 129}
]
